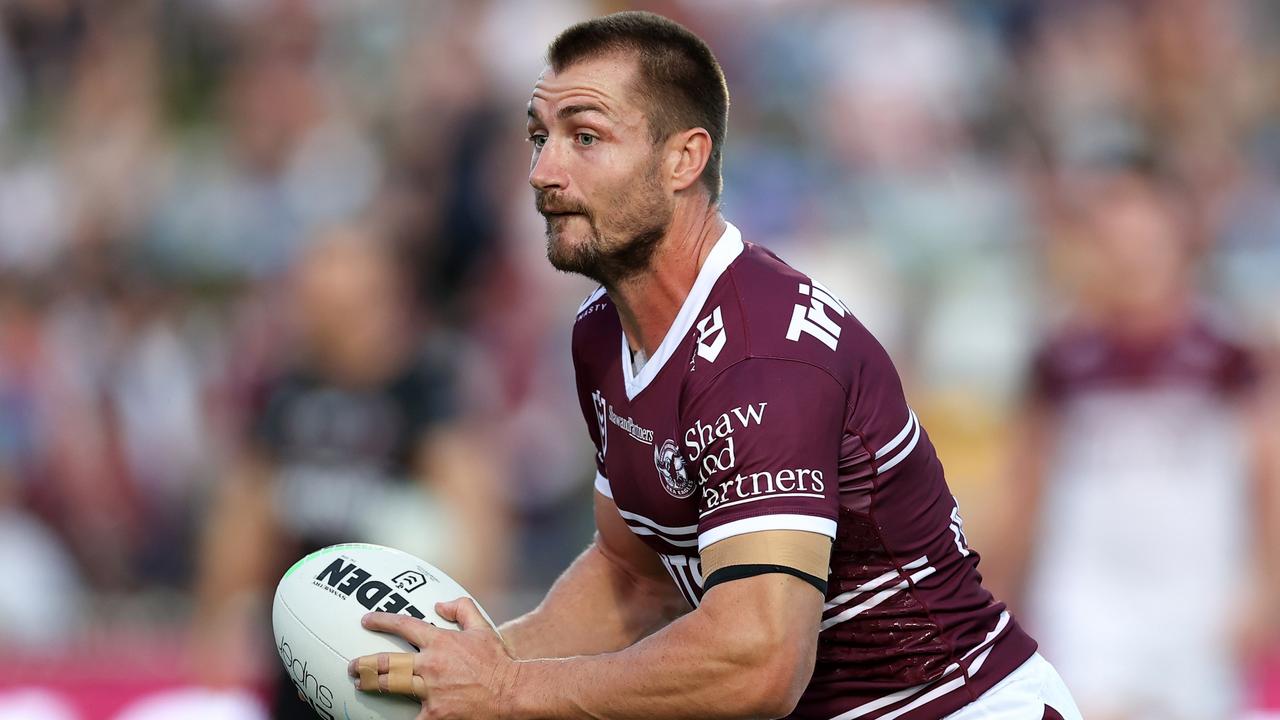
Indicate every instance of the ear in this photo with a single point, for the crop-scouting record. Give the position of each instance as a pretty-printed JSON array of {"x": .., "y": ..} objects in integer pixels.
[{"x": 688, "y": 153}]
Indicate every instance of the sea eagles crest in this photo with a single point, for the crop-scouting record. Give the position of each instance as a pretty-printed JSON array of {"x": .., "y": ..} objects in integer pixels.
[{"x": 670, "y": 464}]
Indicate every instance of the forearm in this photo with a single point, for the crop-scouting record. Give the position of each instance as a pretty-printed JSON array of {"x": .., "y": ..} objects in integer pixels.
[
  {"x": 456, "y": 468},
  {"x": 234, "y": 552},
  {"x": 1266, "y": 504},
  {"x": 1008, "y": 561},
  {"x": 706, "y": 664},
  {"x": 593, "y": 608}
]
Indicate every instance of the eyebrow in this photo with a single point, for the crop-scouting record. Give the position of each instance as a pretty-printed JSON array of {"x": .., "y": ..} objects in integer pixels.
[{"x": 571, "y": 110}]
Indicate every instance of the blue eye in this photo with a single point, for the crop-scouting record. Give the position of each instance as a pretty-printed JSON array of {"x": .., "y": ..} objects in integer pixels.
[
  {"x": 538, "y": 140},
  {"x": 586, "y": 140}
]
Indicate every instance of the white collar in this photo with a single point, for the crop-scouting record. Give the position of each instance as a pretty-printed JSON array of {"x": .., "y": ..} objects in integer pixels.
[{"x": 727, "y": 248}]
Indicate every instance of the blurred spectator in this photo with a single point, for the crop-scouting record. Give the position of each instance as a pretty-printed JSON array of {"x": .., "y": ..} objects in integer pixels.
[
  {"x": 284, "y": 158},
  {"x": 362, "y": 437},
  {"x": 44, "y": 610},
  {"x": 44, "y": 613},
  {"x": 1146, "y": 484}
]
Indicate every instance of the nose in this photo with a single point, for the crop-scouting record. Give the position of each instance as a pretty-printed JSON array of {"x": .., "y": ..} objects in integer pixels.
[{"x": 547, "y": 171}]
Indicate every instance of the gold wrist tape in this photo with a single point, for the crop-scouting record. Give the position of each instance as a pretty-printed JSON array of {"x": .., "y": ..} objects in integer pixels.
[{"x": 805, "y": 551}]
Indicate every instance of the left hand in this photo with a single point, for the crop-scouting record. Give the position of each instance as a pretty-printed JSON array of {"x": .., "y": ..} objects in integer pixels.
[{"x": 457, "y": 675}]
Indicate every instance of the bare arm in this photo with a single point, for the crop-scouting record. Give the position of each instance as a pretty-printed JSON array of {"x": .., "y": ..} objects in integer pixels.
[
  {"x": 1258, "y": 624},
  {"x": 747, "y": 652},
  {"x": 615, "y": 593},
  {"x": 235, "y": 560},
  {"x": 1267, "y": 464},
  {"x": 1007, "y": 564},
  {"x": 454, "y": 463}
]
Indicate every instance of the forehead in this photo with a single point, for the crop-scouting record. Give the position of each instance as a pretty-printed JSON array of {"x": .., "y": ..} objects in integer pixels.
[{"x": 606, "y": 81}]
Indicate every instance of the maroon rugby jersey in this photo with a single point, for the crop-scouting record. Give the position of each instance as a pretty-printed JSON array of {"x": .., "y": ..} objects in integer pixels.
[
  {"x": 769, "y": 406},
  {"x": 1081, "y": 360}
]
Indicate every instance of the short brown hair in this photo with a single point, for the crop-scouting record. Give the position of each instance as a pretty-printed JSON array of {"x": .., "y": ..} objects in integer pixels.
[{"x": 680, "y": 79}]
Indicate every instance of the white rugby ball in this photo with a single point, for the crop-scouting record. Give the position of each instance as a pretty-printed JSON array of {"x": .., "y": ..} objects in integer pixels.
[{"x": 316, "y": 622}]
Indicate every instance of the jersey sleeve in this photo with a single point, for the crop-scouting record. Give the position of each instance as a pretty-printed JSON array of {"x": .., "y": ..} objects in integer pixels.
[
  {"x": 594, "y": 411},
  {"x": 432, "y": 396},
  {"x": 1044, "y": 384},
  {"x": 1240, "y": 372},
  {"x": 267, "y": 428},
  {"x": 762, "y": 441}
]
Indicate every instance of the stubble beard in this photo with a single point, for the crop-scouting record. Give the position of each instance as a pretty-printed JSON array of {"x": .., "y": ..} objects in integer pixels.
[{"x": 627, "y": 249}]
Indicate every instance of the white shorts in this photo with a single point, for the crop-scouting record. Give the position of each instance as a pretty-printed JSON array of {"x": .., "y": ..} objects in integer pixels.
[{"x": 1034, "y": 691}]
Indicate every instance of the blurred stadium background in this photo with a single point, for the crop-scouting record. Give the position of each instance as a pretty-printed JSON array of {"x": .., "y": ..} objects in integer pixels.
[{"x": 270, "y": 276}]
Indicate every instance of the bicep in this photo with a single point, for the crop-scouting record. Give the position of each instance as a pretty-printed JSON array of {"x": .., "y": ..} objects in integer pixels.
[
  {"x": 780, "y": 605},
  {"x": 771, "y": 621},
  {"x": 771, "y": 584}
]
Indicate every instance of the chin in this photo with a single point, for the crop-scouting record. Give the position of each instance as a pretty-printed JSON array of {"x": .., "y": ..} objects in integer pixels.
[{"x": 565, "y": 249}]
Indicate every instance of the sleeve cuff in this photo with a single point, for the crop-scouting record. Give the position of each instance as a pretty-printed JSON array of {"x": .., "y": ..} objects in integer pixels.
[
  {"x": 602, "y": 485},
  {"x": 806, "y": 523}
]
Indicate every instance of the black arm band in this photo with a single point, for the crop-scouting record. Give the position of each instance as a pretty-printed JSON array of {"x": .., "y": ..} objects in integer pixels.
[{"x": 737, "y": 572}]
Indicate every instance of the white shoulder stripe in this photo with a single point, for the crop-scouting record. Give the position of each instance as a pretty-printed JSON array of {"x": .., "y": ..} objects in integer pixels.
[
  {"x": 678, "y": 543},
  {"x": 905, "y": 451},
  {"x": 889, "y": 446},
  {"x": 676, "y": 530}
]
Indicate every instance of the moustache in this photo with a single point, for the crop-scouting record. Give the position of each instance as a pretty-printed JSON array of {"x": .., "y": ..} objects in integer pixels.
[{"x": 549, "y": 205}]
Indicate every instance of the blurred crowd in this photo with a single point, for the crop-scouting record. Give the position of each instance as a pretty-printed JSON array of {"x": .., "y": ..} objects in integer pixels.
[{"x": 271, "y": 278}]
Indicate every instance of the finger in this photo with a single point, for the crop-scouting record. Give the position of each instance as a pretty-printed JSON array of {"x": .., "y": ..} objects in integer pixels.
[
  {"x": 357, "y": 665},
  {"x": 400, "y": 674},
  {"x": 448, "y": 609},
  {"x": 369, "y": 673},
  {"x": 412, "y": 629},
  {"x": 367, "y": 668},
  {"x": 389, "y": 673},
  {"x": 462, "y": 611}
]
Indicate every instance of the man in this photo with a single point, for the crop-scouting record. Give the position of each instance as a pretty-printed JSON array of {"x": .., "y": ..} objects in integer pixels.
[
  {"x": 1145, "y": 434},
  {"x": 363, "y": 423},
  {"x": 743, "y": 421}
]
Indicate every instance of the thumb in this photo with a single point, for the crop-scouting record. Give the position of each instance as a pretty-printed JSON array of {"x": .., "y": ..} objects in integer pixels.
[{"x": 462, "y": 611}]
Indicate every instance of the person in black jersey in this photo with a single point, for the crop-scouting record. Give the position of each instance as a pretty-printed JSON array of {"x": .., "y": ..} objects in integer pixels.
[{"x": 360, "y": 438}]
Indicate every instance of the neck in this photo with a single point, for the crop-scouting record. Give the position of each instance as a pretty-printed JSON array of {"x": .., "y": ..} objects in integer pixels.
[
  {"x": 1150, "y": 322},
  {"x": 648, "y": 302}
]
